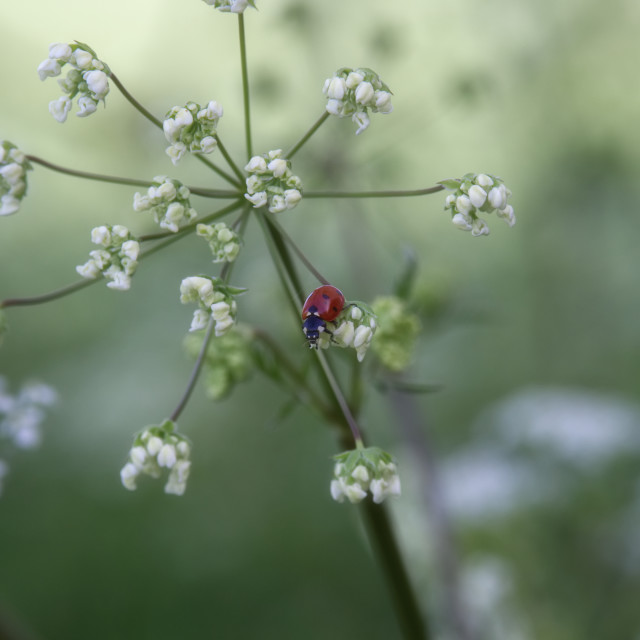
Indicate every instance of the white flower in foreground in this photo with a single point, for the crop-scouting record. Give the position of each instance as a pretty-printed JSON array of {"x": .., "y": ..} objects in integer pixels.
[
  {"x": 156, "y": 448},
  {"x": 354, "y": 328},
  {"x": 477, "y": 193},
  {"x": 168, "y": 200},
  {"x": 364, "y": 470},
  {"x": 356, "y": 92},
  {"x": 13, "y": 177},
  {"x": 271, "y": 182}
]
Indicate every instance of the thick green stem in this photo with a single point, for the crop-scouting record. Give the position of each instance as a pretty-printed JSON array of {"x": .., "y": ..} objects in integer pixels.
[
  {"x": 373, "y": 194},
  {"x": 245, "y": 85},
  {"x": 306, "y": 136}
]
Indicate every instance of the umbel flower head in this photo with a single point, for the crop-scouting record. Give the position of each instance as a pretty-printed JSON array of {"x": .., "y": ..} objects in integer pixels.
[
  {"x": 355, "y": 92},
  {"x": 191, "y": 128},
  {"x": 117, "y": 261},
  {"x": 223, "y": 242},
  {"x": 168, "y": 199},
  {"x": 214, "y": 298},
  {"x": 364, "y": 470},
  {"x": 156, "y": 448},
  {"x": 271, "y": 183},
  {"x": 87, "y": 78},
  {"x": 228, "y": 360},
  {"x": 396, "y": 338},
  {"x": 233, "y": 6},
  {"x": 13, "y": 177},
  {"x": 477, "y": 193},
  {"x": 354, "y": 328}
]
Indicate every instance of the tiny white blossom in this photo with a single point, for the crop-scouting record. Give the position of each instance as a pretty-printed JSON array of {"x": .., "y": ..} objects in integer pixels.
[
  {"x": 354, "y": 79},
  {"x": 199, "y": 321},
  {"x": 176, "y": 152},
  {"x": 98, "y": 83},
  {"x": 382, "y": 101},
  {"x": 87, "y": 106},
  {"x": 362, "y": 120},
  {"x": 101, "y": 235},
  {"x": 257, "y": 164},
  {"x": 208, "y": 144},
  {"x": 49, "y": 69},
  {"x": 479, "y": 228},
  {"x": 154, "y": 444},
  {"x": 292, "y": 197},
  {"x": 278, "y": 204},
  {"x": 129, "y": 475},
  {"x": 498, "y": 197},
  {"x": 59, "y": 51},
  {"x": 462, "y": 221},
  {"x": 484, "y": 180},
  {"x": 334, "y": 107},
  {"x": 60, "y": 108},
  {"x": 278, "y": 167},
  {"x": 477, "y": 196},
  {"x": 82, "y": 59},
  {"x": 364, "y": 93},
  {"x": 336, "y": 88},
  {"x": 167, "y": 456}
]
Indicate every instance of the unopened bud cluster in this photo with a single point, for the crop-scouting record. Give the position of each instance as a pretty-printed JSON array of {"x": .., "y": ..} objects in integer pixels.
[
  {"x": 13, "y": 177},
  {"x": 363, "y": 471},
  {"x": 271, "y": 183},
  {"x": 87, "y": 78},
  {"x": 168, "y": 199},
  {"x": 233, "y": 6},
  {"x": 117, "y": 261},
  {"x": 214, "y": 298},
  {"x": 355, "y": 92},
  {"x": 228, "y": 360},
  {"x": 22, "y": 414},
  {"x": 191, "y": 128},
  {"x": 157, "y": 448},
  {"x": 223, "y": 242},
  {"x": 477, "y": 193},
  {"x": 355, "y": 328},
  {"x": 396, "y": 338}
]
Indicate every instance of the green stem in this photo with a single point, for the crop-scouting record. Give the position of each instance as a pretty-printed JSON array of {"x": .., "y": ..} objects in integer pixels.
[
  {"x": 298, "y": 252},
  {"x": 195, "y": 372},
  {"x": 132, "y": 182},
  {"x": 306, "y": 136},
  {"x": 223, "y": 174},
  {"x": 245, "y": 84},
  {"x": 229, "y": 159},
  {"x": 147, "y": 114},
  {"x": 48, "y": 297},
  {"x": 373, "y": 194}
]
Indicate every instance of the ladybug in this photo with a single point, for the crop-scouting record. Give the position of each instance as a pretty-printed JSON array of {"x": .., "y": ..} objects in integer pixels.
[{"x": 323, "y": 305}]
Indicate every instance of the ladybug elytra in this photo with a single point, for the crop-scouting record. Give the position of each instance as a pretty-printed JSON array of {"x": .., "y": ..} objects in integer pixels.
[{"x": 323, "y": 305}]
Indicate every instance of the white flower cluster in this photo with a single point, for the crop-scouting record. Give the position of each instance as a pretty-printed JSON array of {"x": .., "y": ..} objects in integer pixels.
[
  {"x": 475, "y": 193},
  {"x": 355, "y": 328},
  {"x": 214, "y": 298},
  {"x": 22, "y": 414},
  {"x": 353, "y": 92},
  {"x": 13, "y": 177},
  {"x": 168, "y": 199},
  {"x": 223, "y": 242},
  {"x": 364, "y": 470},
  {"x": 157, "y": 448},
  {"x": 191, "y": 128},
  {"x": 271, "y": 182},
  {"x": 233, "y": 6},
  {"x": 117, "y": 261},
  {"x": 87, "y": 79}
]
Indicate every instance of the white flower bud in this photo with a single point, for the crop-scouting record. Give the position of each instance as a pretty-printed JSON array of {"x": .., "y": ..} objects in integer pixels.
[
  {"x": 362, "y": 336},
  {"x": 463, "y": 204},
  {"x": 48, "y": 69},
  {"x": 292, "y": 197},
  {"x": 167, "y": 456},
  {"x": 8, "y": 205},
  {"x": 344, "y": 334},
  {"x": 462, "y": 221},
  {"x": 101, "y": 235},
  {"x": 484, "y": 180},
  {"x": 166, "y": 191},
  {"x": 498, "y": 197},
  {"x": 200, "y": 320},
  {"x": 334, "y": 107},
  {"x": 12, "y": 173},
  {"x": 354, "y": 492},
  {"x": 277, "y": 205},
  {"x": 120, "y": 281},
  {"x": 154, "y": 444},
  {"x": 222, "y": 326},
  {"x": 278, "y": 167},
  {"x": 130, "y": 249},
  {"x": 220, "y": 310},
  {"x": 360, "y": 474},
  {"x": 208, "y": 144},
  {"x": 141, "y": 202},
  {"x": 213, "y": 111},
  {"x": 364, "y": 93},
  {"x": 479, "y": 228},
  {"x": 128, "y": 476},
  {"x": 176, "y": 151},
  {"x": 354, "y": 79},
  {"x": 356, "y": 313},
  {"x": 257, "y": 164},
  {"x": 60, "y": 51},
  {"x": 138, "y": 456},
  {"x": 60, "y": 108},
  {"x": 257, "y": 199},
  {"x": 82, "y": 59},
  {"x": 362, "y": 120},
  {"x": 383, "y": 101},
  {"x": 336, "y": 491},
  {"x": 477, "y": 196},
  {"x": 336, "y": 89},
  {"x": 89, "y": 270},
  {"x": 98, "y": 83},
  {"x": 87, "y": 106},
  {"x": 508, "y": 215}
]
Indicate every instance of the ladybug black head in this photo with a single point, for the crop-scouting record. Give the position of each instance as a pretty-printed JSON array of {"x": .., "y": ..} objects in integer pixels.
[{"x": 313, "y": 326}]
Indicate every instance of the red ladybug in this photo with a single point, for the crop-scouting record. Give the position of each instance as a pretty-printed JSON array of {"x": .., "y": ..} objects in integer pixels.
[{"x": 323, "y": 305}]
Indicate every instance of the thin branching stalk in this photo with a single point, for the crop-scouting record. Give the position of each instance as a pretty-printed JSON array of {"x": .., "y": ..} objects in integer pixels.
[
  {"x": 245, "y": 85},
  {"x": 229, "y": 159},
  {"x": 48, "y": 297},
  {"x": 316, "y": 125},
  {"x": 374, "y": 194}
]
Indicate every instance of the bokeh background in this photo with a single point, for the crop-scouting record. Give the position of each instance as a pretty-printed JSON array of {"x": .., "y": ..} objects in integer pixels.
[{"x": 522, "y": 470}]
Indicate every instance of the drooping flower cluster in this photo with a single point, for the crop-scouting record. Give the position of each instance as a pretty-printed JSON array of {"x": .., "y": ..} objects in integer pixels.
[
  {"x": 117, "y": 261},
  {"x": 13, "y": 177},
  {"x": 355, "y": 92},
  {"x": 354, "y": 328},
  {"x": 156, "y": 448},
  {"x": 233, "y": 6},
  {"x": 214, "y": 298},
  {"x": 398, "y": 330},
  {"x": 168, "y": 199},
  {"x": 87, "y": 78},
  {"x": 22, "y": 414},
  {"x": 223, "y": 242},
  {"x": 228, "y": 360},
  {"x": 271, "y": 182},
  {"x": 364, "y": 470},
  {"x": 191, "y": 128},
  {"x": 476, "y": 193}
]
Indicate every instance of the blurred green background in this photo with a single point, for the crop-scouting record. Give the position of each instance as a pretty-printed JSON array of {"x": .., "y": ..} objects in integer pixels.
[{"x": 532, "y": 331}]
